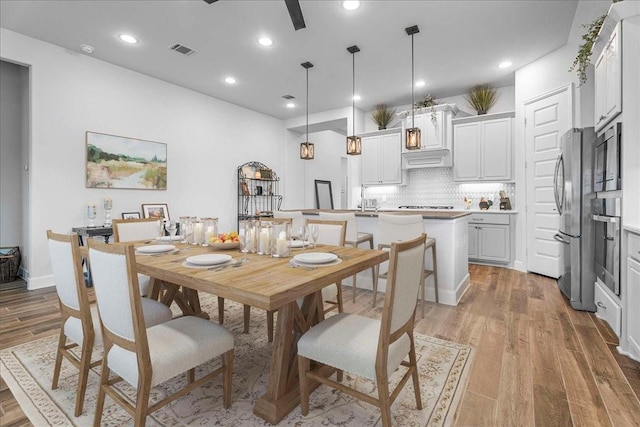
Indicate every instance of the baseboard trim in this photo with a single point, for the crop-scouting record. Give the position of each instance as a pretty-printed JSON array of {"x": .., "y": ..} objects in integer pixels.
[{"x": 41, "y": 282}]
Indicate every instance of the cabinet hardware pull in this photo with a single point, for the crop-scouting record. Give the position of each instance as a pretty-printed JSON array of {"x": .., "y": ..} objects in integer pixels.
[{"x": 601, "y": 305}]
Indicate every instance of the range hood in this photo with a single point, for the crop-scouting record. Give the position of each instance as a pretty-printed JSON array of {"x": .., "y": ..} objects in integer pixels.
[{"x": 419, "y": 159}]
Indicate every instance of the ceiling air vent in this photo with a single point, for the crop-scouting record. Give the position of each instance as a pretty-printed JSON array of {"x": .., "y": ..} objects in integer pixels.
[
  {"x": 180, "y": 48},
  {"x": 288, "y": 96}
]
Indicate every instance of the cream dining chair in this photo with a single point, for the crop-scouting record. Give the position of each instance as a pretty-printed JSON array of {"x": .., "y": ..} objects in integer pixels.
[
  {"x": 353, "y": 237},
  {"x": 395, "y": 228},
  {"x": 146, "y": 357},
  {"x": 79, "y": 321},
  {"x": 296, "y": 217},
  {"x": 367, "y": 347}
]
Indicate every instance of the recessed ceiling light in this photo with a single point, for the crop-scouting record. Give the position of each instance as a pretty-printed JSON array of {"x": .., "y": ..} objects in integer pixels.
[
  {"x": 505, "y": 64},
  {"x": 351, "y": 5},
  {"x": 356, "y": 97},
  {"x": 86, "y": 48},
  {"x": 420, "y": 83},
  {"x": 128, "y": 38},
  {"x": 291, "y": 105},
  {"x": 230, "y": 80},
  {"x": 265, "y": 41}
]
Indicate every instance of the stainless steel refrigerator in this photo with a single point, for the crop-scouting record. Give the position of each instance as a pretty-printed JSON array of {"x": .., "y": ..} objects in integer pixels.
[{"x": 573, "y": 191}]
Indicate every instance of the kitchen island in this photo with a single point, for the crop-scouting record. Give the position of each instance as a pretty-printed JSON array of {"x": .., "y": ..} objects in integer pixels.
[{"x": 449, "y": 228}]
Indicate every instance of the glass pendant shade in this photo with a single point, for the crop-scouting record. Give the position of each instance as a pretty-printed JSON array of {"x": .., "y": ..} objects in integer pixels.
[
  {"x": 413, "y": 139},
  {"x": 354, "y": 145},
  {"x": 306, "y": 151}
]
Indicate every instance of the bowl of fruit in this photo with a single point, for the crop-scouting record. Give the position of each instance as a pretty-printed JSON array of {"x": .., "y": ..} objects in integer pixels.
[{"x": 225, "y": 241}]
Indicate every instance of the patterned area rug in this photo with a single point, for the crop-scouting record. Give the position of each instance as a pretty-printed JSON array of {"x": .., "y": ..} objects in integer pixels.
[{"x": 27, "y": 369}]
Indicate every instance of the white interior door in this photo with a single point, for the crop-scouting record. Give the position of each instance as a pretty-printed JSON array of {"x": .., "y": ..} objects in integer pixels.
[{"x": 547, "y": 117}]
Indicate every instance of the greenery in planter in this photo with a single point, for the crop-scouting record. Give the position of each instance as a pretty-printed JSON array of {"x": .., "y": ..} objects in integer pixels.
[
  {"x": 382, "y": 115},
  {"x": 583, "y": 59},
  {"x": 428, "y": 101},
  {"x": 481, "y": 98}
]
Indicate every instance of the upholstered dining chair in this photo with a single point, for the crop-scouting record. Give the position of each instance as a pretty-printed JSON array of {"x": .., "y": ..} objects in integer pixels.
[
  {"x": 395, "y": 228},
  {"x": 331, "y": 233},
  {"x": 353, "y": 237},
  {"x": 79, "y": 322},
  {"x": 367, "y": 347},
  {"x": 296, "y": 217},
  {"x": 146, "y": 357}
]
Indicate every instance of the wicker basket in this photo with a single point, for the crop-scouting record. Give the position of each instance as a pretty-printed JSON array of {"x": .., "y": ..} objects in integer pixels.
[{"x": 9, "y": 263}]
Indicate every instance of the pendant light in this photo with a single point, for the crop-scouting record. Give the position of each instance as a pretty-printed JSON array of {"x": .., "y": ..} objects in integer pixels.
[
  {"x": 306, "y": 148},
  {"x": 412, "y": 140},
  {"x": 354, "y": 142}
]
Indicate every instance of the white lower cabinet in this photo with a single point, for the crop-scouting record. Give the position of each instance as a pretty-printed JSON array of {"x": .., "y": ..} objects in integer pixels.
[
  {"x": 633, "y": 295},
  {"x": 607, "y": 308},
  {"x": 490, "y": 238}
]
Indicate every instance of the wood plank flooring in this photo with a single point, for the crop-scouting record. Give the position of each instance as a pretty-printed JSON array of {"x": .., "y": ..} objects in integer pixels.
[{"x": 537, "y": 361}]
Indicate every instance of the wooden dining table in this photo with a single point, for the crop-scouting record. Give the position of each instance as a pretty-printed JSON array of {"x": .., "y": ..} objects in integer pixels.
[{"x": 264, "y": 282}]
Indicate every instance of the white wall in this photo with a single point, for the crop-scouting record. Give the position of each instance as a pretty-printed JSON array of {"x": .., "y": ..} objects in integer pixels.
[
  {"x": 72, "y": 93},
  {"x": 544, "y": 75},
  {"x": 14, "y": 85}
]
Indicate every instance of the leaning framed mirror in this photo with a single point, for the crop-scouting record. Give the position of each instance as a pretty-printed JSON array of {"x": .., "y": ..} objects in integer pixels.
[{"x": 324, "y": 196}]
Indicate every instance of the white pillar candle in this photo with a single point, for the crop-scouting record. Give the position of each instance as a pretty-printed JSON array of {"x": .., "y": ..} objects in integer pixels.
[
  {"x": 264, "y": 242},
  {"x": 281, "y": 247},
  {"x": 210, "y": 234},
  {"x": 197, "y": 234}
]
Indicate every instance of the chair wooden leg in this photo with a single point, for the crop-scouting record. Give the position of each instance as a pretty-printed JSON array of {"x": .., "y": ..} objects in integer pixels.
[
  {"x": 56, "y": 368},
  {"x": 416, "y": 377},
  {"x": 270, "y": 325},
  {"x": 385, "y": 400},
  {"x": 339, "y": 375},
  {"x": 85, "y": 365},
  {"x": 303, "y": 367},
  {"x": 220, "y": 310},
  {"x": 142, "y": 403},
  {"x": 247, "y": 318},
  {"x": 353, "y": 285},
  {"x": 340, "y": 305},
  {"x": 226, "y": 379},
  {"x": 191, "y": 375},
  {"x": 435, "y": 270},
  {"x": 375, "y": 284},
  {"x": 104, "y": 378}
]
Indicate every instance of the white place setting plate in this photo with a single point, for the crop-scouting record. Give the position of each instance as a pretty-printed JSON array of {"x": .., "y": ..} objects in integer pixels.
[
  {"x": 315, "y": 258},
  {"x": 298, "y": 244},
  {"x": 208, "y": 259},
  {"x": 170, "y": 238},
  {"x": 155, "y": 249}
]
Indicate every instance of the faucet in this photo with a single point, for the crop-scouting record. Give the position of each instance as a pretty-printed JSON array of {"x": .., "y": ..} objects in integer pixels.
[{"x": 362, "y": 203}]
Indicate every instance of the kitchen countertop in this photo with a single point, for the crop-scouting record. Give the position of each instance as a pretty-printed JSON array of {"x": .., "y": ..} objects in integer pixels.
[{"x": 429, "y": 214}]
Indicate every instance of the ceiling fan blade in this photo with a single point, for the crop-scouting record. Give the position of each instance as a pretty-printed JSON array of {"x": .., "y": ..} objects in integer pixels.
[
  {"x": 296, "y": 14},
  {"x": 210, "y": 1}
]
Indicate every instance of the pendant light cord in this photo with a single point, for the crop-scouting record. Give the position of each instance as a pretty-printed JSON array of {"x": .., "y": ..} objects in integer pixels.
[
  {"x": 353, "y": 96},
  {"x": 413, "y": 109},
  {"x": 306, "y": 142}
]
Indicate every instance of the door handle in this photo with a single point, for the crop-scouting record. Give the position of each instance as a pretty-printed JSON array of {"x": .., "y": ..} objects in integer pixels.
[
  {"x": 601, "y": 218},
  {"x": 560, "y": 239}
]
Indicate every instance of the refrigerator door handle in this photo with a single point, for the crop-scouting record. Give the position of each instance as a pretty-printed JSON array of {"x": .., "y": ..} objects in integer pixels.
[
  {"x": 556, "y": 196},
  {"x": 560, "y": 239},
  {"x": 601, "y": 218}
]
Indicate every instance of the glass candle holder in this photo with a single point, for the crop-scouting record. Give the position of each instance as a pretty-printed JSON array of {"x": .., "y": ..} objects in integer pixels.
[
  {"x": 108, "y": 205},
  {"x": 263, "y": 239},
  {"x": 210, "y": 229},
  {"x": 198, "y": 232},
  {"x": 281, "y": 239},
  {"x": 91, "y": 214}
]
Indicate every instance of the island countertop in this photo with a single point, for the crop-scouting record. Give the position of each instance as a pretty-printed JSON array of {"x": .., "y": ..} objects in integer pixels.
[{"x": 427, "y": 214}]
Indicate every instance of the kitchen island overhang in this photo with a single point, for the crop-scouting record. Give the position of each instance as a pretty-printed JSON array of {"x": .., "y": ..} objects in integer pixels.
[{"x": 449, "y": 228}]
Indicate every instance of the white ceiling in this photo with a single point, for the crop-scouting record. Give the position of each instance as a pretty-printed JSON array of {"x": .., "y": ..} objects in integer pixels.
[{"x": 459, "y": 45}]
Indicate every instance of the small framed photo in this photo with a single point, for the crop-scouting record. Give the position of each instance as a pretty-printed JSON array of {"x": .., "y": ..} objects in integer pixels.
[
  {"x": 158, "y": 210},
  {"x": 130, "y": 215}
]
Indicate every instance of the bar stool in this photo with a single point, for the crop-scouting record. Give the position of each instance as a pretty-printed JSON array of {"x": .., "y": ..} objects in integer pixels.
[
  {"x": 393, "y": 228},
  {"x": 354, "y": 238}
]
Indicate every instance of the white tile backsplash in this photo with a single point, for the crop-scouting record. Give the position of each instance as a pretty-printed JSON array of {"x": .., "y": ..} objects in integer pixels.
[{"x": 435, "y": 186}]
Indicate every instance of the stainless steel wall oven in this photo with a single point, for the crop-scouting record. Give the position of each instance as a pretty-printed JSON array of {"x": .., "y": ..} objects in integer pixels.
[{"x": 606, "y": 220}]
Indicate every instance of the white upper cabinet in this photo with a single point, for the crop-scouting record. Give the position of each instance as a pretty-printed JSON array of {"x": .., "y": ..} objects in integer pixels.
[
  {"x": 381, "y": 161},
  {"x": 434, "y": 124},
  {"x": 608, "y": 80},
  {"x": 482, "y": 148}
]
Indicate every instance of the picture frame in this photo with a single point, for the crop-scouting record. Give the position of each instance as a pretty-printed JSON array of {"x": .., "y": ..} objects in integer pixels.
[
  {"x": 324, "y": 195},
  {"x": 156, "y": 210},
  {"x": 130, "y": 215},
  {"x": 266, "y": 174},
  {"x": 125, "y": 163}
]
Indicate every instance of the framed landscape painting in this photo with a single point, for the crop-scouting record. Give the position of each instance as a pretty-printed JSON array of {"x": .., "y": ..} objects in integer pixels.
[{"x": 121, "y": 162}]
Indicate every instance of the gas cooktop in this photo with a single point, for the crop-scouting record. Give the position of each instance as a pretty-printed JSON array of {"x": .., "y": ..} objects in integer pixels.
[{"x": 425, "y": 207}]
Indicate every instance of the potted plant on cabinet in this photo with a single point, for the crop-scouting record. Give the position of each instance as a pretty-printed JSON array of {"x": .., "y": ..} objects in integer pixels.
[
  {"x": 382, "y": 115},
  {"x": 481, "y": 98}
]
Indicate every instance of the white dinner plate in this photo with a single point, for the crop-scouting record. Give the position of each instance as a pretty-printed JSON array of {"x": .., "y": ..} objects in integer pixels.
[
  {"x": 299, "y": 244},
  {"x": 155, "y": 249},
  {"x": 315, "y": 258},
  {"x": 208, "y": 259},
  {"x": 170, "y": 238}
]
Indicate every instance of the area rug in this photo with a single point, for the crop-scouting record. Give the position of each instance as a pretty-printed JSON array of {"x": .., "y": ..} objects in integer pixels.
[{"x": 443, "y": 367}]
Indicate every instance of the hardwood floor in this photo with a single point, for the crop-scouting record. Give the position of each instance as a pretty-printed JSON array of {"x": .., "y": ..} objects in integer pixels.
[{"x": 537, "y": 361}]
